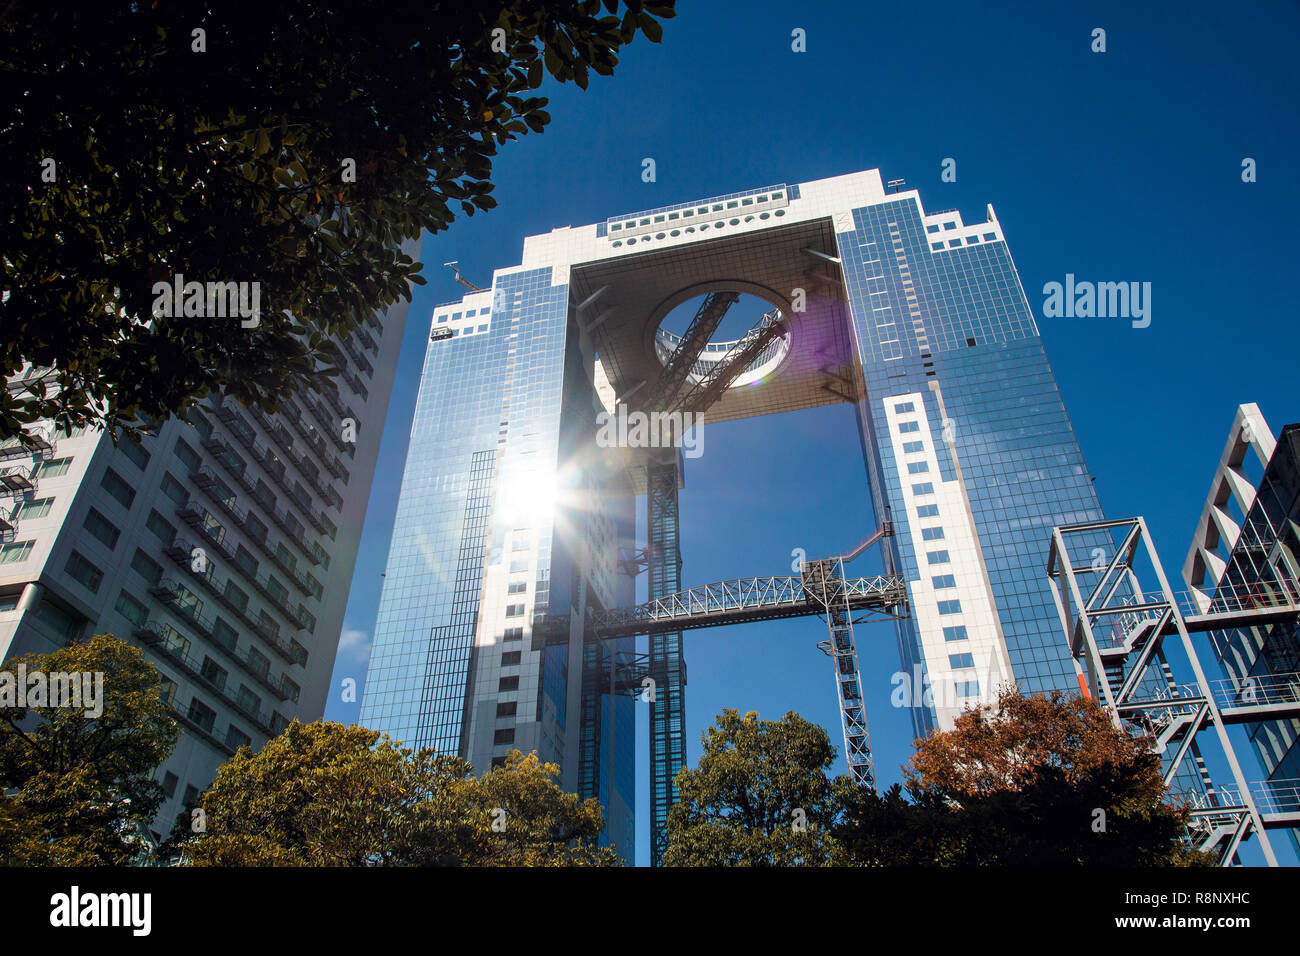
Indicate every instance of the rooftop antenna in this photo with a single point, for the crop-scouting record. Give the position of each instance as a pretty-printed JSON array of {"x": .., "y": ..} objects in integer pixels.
[
  {"x": 895, "y": 183},
  {"x": 460, "y": 278}
]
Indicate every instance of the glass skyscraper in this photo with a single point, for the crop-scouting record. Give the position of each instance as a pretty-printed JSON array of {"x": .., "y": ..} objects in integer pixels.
[{"x": 510, "y": 507}]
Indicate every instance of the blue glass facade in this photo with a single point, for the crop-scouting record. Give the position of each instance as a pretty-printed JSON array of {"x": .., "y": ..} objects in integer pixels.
[{"x": 951, "y": 324}]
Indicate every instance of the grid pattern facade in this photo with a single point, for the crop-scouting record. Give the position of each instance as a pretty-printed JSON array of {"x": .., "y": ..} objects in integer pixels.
[{"x": 954, "y": 325}]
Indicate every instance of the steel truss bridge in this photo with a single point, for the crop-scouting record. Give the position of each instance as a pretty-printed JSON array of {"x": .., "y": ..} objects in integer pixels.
[{"x": 737, "y": 601}]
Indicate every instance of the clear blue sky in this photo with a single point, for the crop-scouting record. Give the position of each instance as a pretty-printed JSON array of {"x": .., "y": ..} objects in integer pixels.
[{"x": 1119, "y": 166}]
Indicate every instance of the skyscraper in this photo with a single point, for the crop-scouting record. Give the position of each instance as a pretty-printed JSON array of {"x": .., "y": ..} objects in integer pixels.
[
  {"x": 224, "y": 546},
  {"x": 512, "y": 508}
]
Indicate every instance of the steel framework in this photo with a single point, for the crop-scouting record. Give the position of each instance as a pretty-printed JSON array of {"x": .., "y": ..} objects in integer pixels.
[{"x": 1117, "y": 611}]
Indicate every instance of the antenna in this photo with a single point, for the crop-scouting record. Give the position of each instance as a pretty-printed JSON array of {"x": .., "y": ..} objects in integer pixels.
[
  {"x": 895, "y": 183},
  {"x": 460, "y": 278}
]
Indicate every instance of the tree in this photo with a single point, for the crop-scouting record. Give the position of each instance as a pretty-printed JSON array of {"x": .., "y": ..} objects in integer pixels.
[
  {"x": 292, "y": 144},
  {"x": 328, "y": 794},
  {"x": 77, "y": 789},
  {"x": 1031, "y": 781},
  {"x": 759, "y": 796}
]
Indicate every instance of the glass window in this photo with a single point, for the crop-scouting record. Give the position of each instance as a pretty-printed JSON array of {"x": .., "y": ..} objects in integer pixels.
[
  {"x": 911, "y": 447},
  {"x": 116, "y": 486},
  {"x": 162, "y": 529},
  {"x": 917, "y": 467},
  {"x": 924, "y": 488},
  {"x": 36, "y": 508},
  {"x": 188, "y": 455},
  {"x": 927, "y": 511},
  {"x": 936, "y": 557},
  {"x": 54, "y": 468},
  {"x": 102, "y": 528},
  {"x": 905, "y": 427},
  {"x": 961, "y": 660},
  {"x": 82, "y": 571},
  {"x": 950, "y": 607},
  {"x": 944, "y": 581},
  {"x": 135, "y": 451},
  {"x": 510, "y": 658},
  {"x": 969, "y": 688},
  {"x": 955, "y": 633},
  {"x": 931, "y": 534},
  {"x": 131, "y": 609},
  {"x": 146, "y": 567}
]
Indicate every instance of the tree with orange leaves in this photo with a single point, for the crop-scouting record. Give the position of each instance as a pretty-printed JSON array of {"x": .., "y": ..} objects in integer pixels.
[{"x": 1030, "y": 781}]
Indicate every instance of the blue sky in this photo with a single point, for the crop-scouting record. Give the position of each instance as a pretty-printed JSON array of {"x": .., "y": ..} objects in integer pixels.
[{"x": 1115, "y": 166}]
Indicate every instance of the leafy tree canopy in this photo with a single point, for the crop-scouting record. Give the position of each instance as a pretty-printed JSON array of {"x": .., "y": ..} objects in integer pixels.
[
  {"x": 215, "y": 141},
  {"x": 77, "y": 788},
  {"x": 1030, "y": 781},
  {"x": 759, "y": 796},
  {"x": 329, "y": 794}
]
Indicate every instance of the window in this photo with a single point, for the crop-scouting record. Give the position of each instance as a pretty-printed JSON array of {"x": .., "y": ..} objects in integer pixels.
[
  {"x": 236, "y": 738},
  {"x": 258, "y": 662},
  {"x": 517, "y": 587},
  {"x": 936, "y": 557},
  {"x": 950, "y": 225},
  {"x": 968, "y": 688},
  {"x": 961, "y": 660},
  {"x": 245, "y": 561},
  {"x": 954, "y": 243},
  {"x": 225, "y": 635},
  {"x": 931, "y": 534},
  {"x": 102, "y": 528},
  {"x": 53, "y": 468},
  {"x": 507, "y": 709},
  {"x": 504, "y": 736},
  {"x": 82, "y": 571},
  {"x": 905, "y": 427},
  {"x": 520, "y": 565},
  {"x": 162, "y": 529},
  {"x": 191, "y": 795},
  {"x": 514, "y": 610},
  {"x": 291, "y": 689},
  {"x": 131, "y": 609},
  {"x": 520, "y": 544},
  {"x": 927, "y": 511},
  {"x": 174, "y": 490},
  {"x": 514, "y": 634},
  {"x": 37, "y": 508},
  {"x": 904, "y": 408},
  {"x": 116, "y": 486},
  {"x": 912, "y": 447},
  {"x": 510, "y": 658},
  {"x": 507, "y": 684},
  {"x": 188, "y": 455},
  {"x": 917, "y": 467},
  {"x": 944, "y": 581},
  {"x": 18, "y": 551},
  {"x": 950, "y": 607},
  {"x": 955, "y": 633},
  {"x": 203, "y": 715},
  {"x": 236, "y": 595},
  {"x": 932, "y": 227},
  {"x": 169, "y": 783},
  {"x": 924, "y": 488},
  {"x": 135, "y": 452},
  {"x": 247, "y": 700},
  {"x": 213, "y": 673},
  {"x": 990, "y": 236},
  {"x": 146, "y": 567}
]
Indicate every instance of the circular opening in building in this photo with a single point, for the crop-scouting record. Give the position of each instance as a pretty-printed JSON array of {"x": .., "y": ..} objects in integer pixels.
[{"x": 741, "y": 324}]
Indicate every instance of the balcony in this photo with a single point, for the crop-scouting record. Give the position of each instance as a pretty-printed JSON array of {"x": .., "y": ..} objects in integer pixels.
[
  {"x": 179, "y": 551},
  {"x": 196, "y": 518},
  {"x": 366, "y": 339},
  {"x": 18, "y": 480}
]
